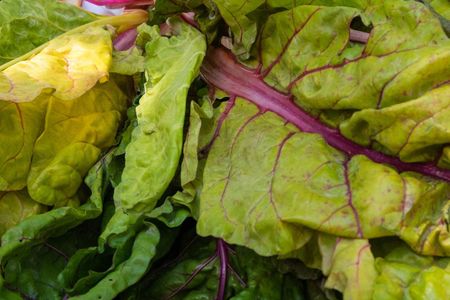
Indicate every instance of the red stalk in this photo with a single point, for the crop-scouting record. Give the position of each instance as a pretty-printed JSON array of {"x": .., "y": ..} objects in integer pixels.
[{"x": 221, "y": 70}]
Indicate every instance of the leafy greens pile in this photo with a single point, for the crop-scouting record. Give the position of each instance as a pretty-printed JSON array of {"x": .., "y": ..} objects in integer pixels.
[{"x": 196, "y": 149}]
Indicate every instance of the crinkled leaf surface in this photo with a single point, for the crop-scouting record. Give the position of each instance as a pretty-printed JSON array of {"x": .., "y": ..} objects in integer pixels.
[
  {"x": 261, "y": 169},
  {"x": 20, "y": 126},
  {"x": 441, "y": 8},
  {"x": 61, "y": 68},
  {"x": 131, "y": 270},
  {"x": 262, "y": 280},
  {"x": 243, "y": 27},
  {"x": 70, "y": 135},
  {"x": 87, "y": 267},
  {"x": 127, "y": 62},
  {"x": 79, "y": 277},
  {"x": 389, "y": 70},
  {"x": 27, "y": 24},
  {"x": 259, "y": 277},
  {"x": 198, "y": 136},
  {"x": 246, "y": 19},
  {"x": 163, "y": 281},
  {"x": 423, "y": 223},
  {"x": 331, "y": 61},
  {"x": 152, "y": 156},
  {"x": 406, "y": 275},
  {"x": 87, "y": 274},
  {"x": 273, "y": 172},
  {"x": 396, "y": 272},
  {"x": 15, "y": 207},
  {"x": 75, "y": 134},
  {"x": 35, "y": 230},
  {"x": 55, "y": 71},
  {"x": 34, "y": 273},
  {"x": 164, "y": 9},
  {"x": 172, "y": 216},
  {"x": 327, "y": 183},
  {"x": 160, "y": 117},
  {"x": 349, "y": 265}
]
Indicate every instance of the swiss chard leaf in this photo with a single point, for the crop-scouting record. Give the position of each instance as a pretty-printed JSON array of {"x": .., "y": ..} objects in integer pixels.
[
  {"x": 75, "y": 134},
  {"x": 349, "y": 265},
  {"x": 308, "y": 175},
  {"x": 35, "y": 230},
  {"x": 329, "y": 184},
  {"x": 60, "y": 67},
  {"x": 441, "y": 8},
  {"x": 27, "y": 24},
  {"x": 34, "y": 94},
  {"x": 243, "y": 28},
  {"x": 194, "y": 274},
  {"x": 34, "y": 273},
  {"x": 131, "y": 270},
  {"x": 20, "y": 125},
  {"x": 15, "y": 207},
  {"x": 152, "y": 155},
  {"x": 406, "y": 275}
]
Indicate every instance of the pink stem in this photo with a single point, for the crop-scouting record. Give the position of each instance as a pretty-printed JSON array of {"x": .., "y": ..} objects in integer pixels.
[
  {"x": 121, "y": 3},
  {"x": 125, "y": 40},
  {"x": 222, "y": 253},
  {"x": 189, "y": 17},
  {"x": 359, "y": 36},
  {"x": 221, "y": 70}
]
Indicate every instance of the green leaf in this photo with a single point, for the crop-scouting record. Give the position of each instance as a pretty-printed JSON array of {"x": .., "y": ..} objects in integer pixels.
[
  {"x": 34, "y": 273},
  {"x": 172, "y": 216},
  {"x": 152, "y": 156},
  {"x": 324, "y": 77},
  {"x": 33, "y": 232},
  {"x": 258, "y": 276},
  {"x": 244, "y": 29},
  {"x": 423, "y": 223},
  {"x": 191, "y": 166},
  {"x": 406, "y": 275},
  {"x": 131, "y": 270},
  {"x": 328, "y": 193},
  {"x": 27, "y": 24},
  {"x": 15, "y": 207},
  {"x": 160, "y": 116},
  {"x": 413, "y": 130},
  {"x": 23, "y": 123},
  {"x": 262, "y": 280},
  {"x": 128, "y": 62},
  {"x": 87, "y": 267},
  {"x": 165, "y": 9},
  {"x": 35, "y": 87},
  {"x": 60, "y": 68},
  {"x": 430, "y": 284},
  {"x": 441, "y": 8},
  {"x": 75, "y": 134},
  {"x": 302, "y": 182},
  {"x": 349, "y": 265},
  {"x": 20, "y": 126}
]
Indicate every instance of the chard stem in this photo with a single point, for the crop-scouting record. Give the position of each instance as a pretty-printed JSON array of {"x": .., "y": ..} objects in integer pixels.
[
  {"x": 222, "y": 253},
  {"x": 221, "y": 70},
  {"x": 359, "y": 36}
]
